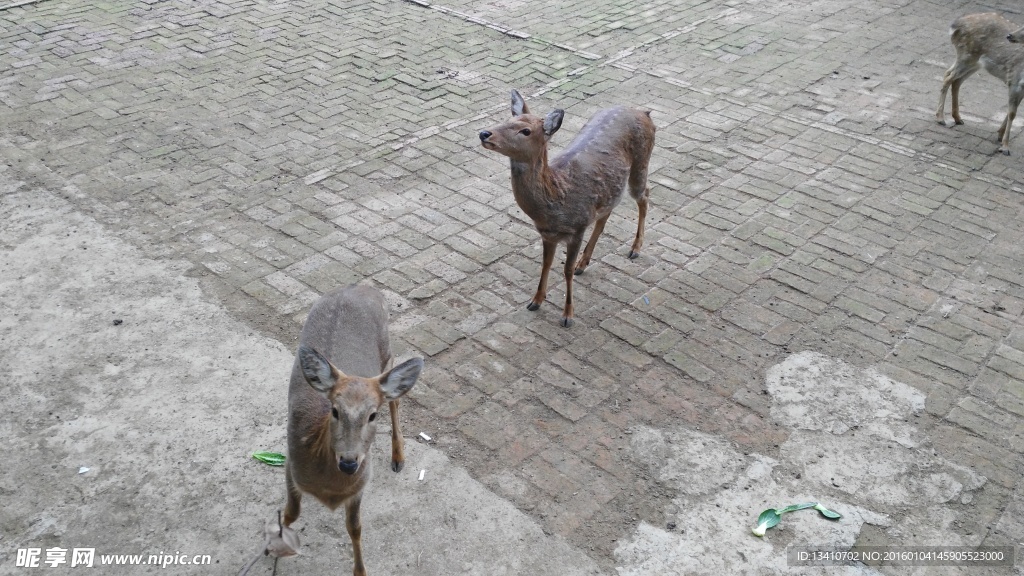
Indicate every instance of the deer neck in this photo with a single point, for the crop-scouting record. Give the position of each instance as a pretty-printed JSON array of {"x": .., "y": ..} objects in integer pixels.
[
  {"x": 535, "y": 185},
  {"x": 319, "y": 444},
  {"x": 323, "y": 460}
]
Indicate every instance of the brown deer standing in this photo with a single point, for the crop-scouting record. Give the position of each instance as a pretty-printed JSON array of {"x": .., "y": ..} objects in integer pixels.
[
  {"x": 988, "y": 38},
  {"x": 580, "y": 186},
  {"x": 333, "y": 400}
]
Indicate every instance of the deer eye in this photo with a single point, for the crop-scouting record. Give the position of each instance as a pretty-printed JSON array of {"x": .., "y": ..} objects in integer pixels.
[
  {"x": 373, "y": 417},
  {"x": 525, "y": 131},
  {"x": 334, "y": 413}
]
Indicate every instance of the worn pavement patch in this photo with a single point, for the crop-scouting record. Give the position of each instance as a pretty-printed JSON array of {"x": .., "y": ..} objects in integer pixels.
[
  {"x": 132, "y": 404},
  {"x": 854, "y": 447}
]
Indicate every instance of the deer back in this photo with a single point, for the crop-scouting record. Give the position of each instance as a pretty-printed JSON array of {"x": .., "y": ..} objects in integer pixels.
[
  {"x": 985, "y": 36},
  {"x": 616, "y": 137},
  {"x": 595, "y": 166}
]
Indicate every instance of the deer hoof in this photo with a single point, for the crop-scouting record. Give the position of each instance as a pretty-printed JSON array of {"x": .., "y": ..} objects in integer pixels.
[
  {"x": 957, "y": 121},
  {"x": 1005, "y": 151},
  {"x": 397, "y": 466},
  {"x": 567, "y": 322},
  {"x": 579, "y": 271},
  {"x": 633, "y": 255},
  {"x": 533, "y": 306}
]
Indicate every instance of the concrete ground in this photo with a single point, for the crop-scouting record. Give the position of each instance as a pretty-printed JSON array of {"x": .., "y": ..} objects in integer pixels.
[{"x": 828, "y": 306}]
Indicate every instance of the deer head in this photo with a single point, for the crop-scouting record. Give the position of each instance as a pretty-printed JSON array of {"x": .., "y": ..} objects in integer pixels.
[
  {"x": 355, "y": 403},
  {"x": 524, "y": 138}
]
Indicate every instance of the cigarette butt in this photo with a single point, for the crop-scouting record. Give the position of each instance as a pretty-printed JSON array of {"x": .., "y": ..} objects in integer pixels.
[
  {"x": 422, "y": 472},
  {"x": 424, "y": 436}
]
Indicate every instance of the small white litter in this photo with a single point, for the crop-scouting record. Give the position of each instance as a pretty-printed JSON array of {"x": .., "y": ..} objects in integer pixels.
[
  {"x": 424, "y": 436},
  {"x": 422, "y": 472},
  {"x": 83, "y": 470}
]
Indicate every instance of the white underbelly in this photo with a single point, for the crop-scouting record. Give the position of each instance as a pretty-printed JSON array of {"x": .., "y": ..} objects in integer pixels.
[{"x": 994, "y": 68}]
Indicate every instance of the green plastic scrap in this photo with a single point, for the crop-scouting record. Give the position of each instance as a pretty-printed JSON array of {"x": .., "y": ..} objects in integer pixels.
[
  {"x": 773, "y": 516},
  {"x": 270, "y": 458}
]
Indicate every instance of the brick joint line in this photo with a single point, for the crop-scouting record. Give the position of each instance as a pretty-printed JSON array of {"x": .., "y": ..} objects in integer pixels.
[
  {"x": 19, "y": 4},
  {"x": 433, "y": 130},
  {"x": 472, "y": 19}
]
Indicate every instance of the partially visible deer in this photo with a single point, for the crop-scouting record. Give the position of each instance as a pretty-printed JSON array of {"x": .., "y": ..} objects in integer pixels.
[
  {"x": 990, "y": 39},
  {"x": 338, "y": 385},
  {"x": 580, "y": 186},
  {"x": 278, "y": 541},
  {"x": 1017, "y": 36}
]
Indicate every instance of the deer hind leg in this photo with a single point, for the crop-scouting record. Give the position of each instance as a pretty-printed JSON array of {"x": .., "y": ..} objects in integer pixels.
[
  {"x": 639, "y": 241},
  {"x": 355, "y": 531},
  {"x": 294, "y": 506},
  {"x": 1011, "y": 113},
  {"x": 542, "y": 288},
  {"x": 589, "y": 250},
  {"x": 940, "y": 113},
  {"x": 641, "y": 193},
  {"x": 572, "y": 249},
  {"x": 955, "y": 77},
  {"x": 397, "y": 446},
  {"x": 966, "y": 64},
  {"x": 955, "y": 107}
]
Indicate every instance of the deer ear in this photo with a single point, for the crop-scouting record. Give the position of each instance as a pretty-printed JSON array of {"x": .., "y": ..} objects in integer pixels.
[
  {"x": 553, "y": 121},
  {"x": 518, "y": 104},
  {"x": 316, "y": 369},
  {"x": 396, "y": 382}
]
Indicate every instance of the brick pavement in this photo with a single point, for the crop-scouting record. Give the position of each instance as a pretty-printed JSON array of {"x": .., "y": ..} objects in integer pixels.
[{"x": 802, "y": 198}]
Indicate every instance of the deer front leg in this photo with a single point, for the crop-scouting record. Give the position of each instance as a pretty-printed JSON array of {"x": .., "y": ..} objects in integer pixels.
[
  {"x": 571, "y": 250},
  {"x": 397, "y": 446},
  {"x": 294, "y": 505},
  {"x": 355, "y": 532},
  {"x": 542, "y": 288},
  {"x": 1011, "y": 113},
  {"x": 589, "y": 250}
]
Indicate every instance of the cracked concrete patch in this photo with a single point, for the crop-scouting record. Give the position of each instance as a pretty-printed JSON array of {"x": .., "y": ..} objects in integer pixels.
[{"x": 854, "y": 447}]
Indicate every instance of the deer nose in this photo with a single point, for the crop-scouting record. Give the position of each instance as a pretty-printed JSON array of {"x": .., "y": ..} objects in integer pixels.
[
  {"x": 348, "y": 466},
  {"x": 484, "y": 135}
]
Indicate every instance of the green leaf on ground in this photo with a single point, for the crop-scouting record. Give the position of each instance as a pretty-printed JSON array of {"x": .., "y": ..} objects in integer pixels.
[
  {"x": 772, "y": 516},
  {"x": 794, "y": 507},
  {"x": 766, "y": 520},
  {"x": 270, "y": 458}
]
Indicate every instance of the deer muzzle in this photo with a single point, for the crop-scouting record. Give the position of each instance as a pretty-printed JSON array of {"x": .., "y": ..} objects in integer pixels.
[
  {"x": 348, "y": 466},
  {"x": 484, "y": 140}
]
